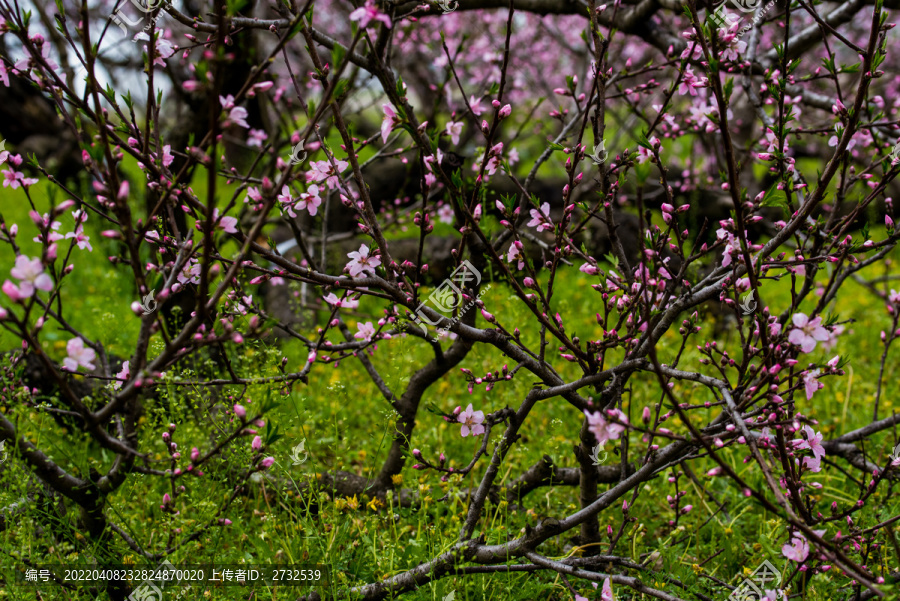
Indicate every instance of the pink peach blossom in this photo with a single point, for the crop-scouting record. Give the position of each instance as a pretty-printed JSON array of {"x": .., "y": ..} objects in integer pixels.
[
  {"x": 471, "y": 421},
  {"x": 78, "y": 354},
  {"x": 807, "y": 332},
  {"x": 32, "y": 276}
]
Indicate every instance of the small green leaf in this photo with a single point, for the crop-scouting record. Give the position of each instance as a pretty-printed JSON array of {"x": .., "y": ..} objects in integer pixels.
[
  {"x": 776, "y": 198},
  {"x": 729, "y": 88},
  {"x": 338, "y": 54},
  {"x": 340, "y": 89},
  {"x": 642, "y": 140}
]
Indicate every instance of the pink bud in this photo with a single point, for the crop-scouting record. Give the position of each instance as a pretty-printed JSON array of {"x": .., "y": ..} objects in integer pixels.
[
  {"x": 267, "y": 462},
  {"x": 240, "y": 411},
  {"x": 64, "y": 206},
  {"x": 256, "y": 444}
]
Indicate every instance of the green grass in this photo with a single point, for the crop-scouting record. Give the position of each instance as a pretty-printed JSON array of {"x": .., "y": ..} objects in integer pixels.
[{"x": 347, "y": 425}]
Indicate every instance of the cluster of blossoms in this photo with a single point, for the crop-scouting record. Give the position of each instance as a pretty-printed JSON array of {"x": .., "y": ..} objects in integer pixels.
[
  {"x": 606, "y": 428},
  {"x": 11, "y": 177},
  {"x": 31, "y": 276},
  {"x": 307, "y": 201}
]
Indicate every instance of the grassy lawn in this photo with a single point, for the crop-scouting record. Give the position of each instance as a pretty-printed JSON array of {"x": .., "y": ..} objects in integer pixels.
[{"x": 346, "y": 425}]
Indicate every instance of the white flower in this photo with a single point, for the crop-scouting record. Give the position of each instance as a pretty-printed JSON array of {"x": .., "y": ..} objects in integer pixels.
[
  {"x": 31, "y": 272},
  {"x": 362, "y": 262},
  {"x": 454, "y": 129},
  {"x": 78, "y": 355},
  {"x": 366, "y": 331},
  {"x": 122, "y": 376}
]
